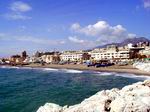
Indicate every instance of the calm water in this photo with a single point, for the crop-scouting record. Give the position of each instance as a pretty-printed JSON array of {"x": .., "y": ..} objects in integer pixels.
[{"x": 24, "y": 90}]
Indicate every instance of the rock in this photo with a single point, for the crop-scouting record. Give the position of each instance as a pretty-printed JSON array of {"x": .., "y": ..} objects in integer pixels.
[
  {"x": 131, "y": 98},
  {"x": 142, "y": 66},
  {"x": 50, "y": 107}
]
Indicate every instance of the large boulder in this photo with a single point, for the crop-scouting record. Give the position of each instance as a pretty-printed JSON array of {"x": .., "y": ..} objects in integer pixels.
[
  {"x": 50, "y": 107},
  {"x": 142, "y": 66},
  {"x": 132, "y": 98}
]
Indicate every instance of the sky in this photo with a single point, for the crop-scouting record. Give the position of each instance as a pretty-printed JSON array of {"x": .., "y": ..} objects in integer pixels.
[{"x": 47, "y": 25}]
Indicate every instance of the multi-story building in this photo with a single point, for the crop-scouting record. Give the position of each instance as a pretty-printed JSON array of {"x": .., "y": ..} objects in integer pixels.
[
  {"x": 71, "y": 55},
  {"x": 111, "y": 52},
  {"x": 110, "y": 55}
]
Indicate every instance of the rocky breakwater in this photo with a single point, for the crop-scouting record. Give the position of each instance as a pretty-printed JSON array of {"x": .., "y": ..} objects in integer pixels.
[
  {"x": 131, "y": 98},
  {"x": 142, "y": 66}
]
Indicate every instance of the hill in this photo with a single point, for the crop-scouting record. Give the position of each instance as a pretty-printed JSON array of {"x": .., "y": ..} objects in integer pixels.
[{"x": 127, "y": 41}]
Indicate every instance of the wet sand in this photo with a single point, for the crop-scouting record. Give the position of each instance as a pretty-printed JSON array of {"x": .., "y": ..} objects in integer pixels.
[{"x": 115, "y": 68}]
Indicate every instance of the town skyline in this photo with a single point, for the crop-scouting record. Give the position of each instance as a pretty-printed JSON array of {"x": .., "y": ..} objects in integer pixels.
[{"x": 69, "y": 24}]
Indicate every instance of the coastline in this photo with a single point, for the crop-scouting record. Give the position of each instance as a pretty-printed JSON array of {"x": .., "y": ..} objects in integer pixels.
[{"x": 119, "y": 69}]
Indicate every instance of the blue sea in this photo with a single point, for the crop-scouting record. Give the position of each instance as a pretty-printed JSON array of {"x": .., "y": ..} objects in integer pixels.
[{"x": 25, "y": 89}]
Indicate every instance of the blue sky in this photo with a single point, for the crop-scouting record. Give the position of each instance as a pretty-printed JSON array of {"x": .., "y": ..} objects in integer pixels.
[{"x": 46, "y": 25}]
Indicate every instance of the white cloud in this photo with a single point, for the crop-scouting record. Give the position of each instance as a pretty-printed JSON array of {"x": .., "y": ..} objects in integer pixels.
[
  {"x": 83, "y": 43},
  {"x": 74, "y": 39},
  {"x": 137, "y": 7},
  {"x": 62, "y": 42},
  {"x": 16, "y": 16},
  {"x": 131, "y": 35},
  {"x": 17, "y": 11},
  {"x": 146, "y": 4},
  {"x": 31, "y": 39},
  {"x": 2, "y": 35},
  {"x": 103, "y": 32},
  {"x": 44, "y": 41},
  {"x": 19, "y": 6},
  {"x": 22, "y": 28},
  {"x": 75, "y": 26}
]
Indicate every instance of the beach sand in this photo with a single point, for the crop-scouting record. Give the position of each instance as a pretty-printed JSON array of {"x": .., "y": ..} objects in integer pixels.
[{"x": 115, "y": 68}]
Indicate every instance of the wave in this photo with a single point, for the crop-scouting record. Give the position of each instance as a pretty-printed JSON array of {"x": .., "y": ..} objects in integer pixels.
[
  {"x": 132, "y": 76},
  {"x": 127, "y": 75},
  {"x": 3, "y": 66},
  {"x": 44, "y": 69},
  {"x": 9, "y": 67},
  {"x": 105, "y": 73},
  {"x": 72, "y": 71},
  {"x": 49, "y": 69},
  {"x": 37, "y": 68}
]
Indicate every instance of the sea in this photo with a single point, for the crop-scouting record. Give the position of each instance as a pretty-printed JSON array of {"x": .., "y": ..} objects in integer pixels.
[{"x": 26, "y": 89}]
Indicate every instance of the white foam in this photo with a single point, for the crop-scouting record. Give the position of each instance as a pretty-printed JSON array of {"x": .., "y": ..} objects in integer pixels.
[
  {"x": 49, "y": 69},
  {"x": 127, "y": 75},
  {"x": 3, "y": 66},
  {"x": 105, "y": 73},
  {"x": 25, "y": 68},
  {"x": 72, "y": 71},
  {"x": 9, "y": 67}
]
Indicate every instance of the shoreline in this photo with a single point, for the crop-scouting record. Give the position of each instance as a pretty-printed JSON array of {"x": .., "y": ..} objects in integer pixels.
[
  {"x": 115, "y": 68},
  {"x": 119, "y": 69}
]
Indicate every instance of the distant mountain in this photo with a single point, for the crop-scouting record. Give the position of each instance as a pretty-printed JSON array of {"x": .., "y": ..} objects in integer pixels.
[{"x": 127, "y": 41}]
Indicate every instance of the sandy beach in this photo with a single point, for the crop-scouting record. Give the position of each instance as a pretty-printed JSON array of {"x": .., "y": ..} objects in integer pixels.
[{"x": 115, "y": 68}]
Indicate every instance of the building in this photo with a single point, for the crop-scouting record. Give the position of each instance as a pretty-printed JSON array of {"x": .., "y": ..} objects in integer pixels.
[
  {"x": 135, "y": 52},
  {"x": 24, "y": 55},
  {"x": 71, "y": 56},
  {"x": 38, "y": 54},
  {"x": 50, "y": 57},
  {"x": 145, "y": 52},
  {"x": 143, "y": 44},
  {"x": 86, "y": 56},
  {"x": 110, "y": 53},
  {"x": 34, "y": 59},
  {"x": 16, "y": 59}
]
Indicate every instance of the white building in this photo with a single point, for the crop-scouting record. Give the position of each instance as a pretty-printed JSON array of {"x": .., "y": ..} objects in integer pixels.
[
  {"x": 33, "y": 59},
  {"x": 71, "y": 56},
  {"x": 110, "y": 53}
]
